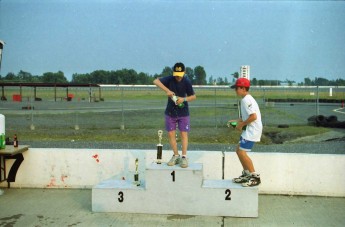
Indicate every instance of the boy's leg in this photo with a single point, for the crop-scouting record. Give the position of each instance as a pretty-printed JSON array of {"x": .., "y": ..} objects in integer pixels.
[
  {"x": 172, "y": 141},
  {"x": 170, "y": 126},
  {"x": 245, "y": 160},
  {"x": 184, "y": 127},
  {"x": 175, "y": 159},
  {"x": 249, "y": 178},
  {"x": 184, "y": 138}
]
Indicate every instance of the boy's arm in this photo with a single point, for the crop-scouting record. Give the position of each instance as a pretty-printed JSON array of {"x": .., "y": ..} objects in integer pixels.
[
  {"x": 159, "y": 84},
  {"x": 249, "y": 120},
  {"x": 190, "y": 98}
]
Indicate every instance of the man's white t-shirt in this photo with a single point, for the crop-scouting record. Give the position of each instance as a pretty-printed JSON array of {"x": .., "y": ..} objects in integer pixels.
[{"x": 254, "y": 129}]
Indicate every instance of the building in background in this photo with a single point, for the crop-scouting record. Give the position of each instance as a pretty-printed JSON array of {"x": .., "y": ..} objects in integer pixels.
[{"x": 245, "y": 72}]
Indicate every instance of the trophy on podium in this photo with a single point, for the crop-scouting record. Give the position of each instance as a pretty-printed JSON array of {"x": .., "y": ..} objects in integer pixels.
[
  {"x": 136, "y": 175},
  {"x": 159, "y": 147}
]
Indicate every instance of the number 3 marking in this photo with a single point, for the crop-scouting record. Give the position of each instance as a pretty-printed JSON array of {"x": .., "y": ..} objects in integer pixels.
[
  {"x": 120, "y": 197},
  {"x": 227, "y": 193}
]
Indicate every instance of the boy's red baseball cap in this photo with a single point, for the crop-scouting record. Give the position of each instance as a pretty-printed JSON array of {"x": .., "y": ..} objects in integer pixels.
[{"x": 241, "y": 82}]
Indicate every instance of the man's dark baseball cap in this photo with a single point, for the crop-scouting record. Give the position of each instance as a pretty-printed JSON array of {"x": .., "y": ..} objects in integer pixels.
[
  {"x": 241, "y": 82},
  {"x": 179, "y": 69}
]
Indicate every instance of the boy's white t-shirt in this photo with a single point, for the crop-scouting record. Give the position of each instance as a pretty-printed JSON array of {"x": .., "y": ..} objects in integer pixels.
[{"x": 254, "y": 129}]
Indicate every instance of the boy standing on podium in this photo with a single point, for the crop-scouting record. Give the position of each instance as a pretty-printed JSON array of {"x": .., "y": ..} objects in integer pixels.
[
  {"x": 179, "y": 90},
  {"x": 251, "y": 126}
]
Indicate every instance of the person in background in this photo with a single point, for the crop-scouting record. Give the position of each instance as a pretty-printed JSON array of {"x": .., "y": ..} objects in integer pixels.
[{"x": 179, "y": 90}]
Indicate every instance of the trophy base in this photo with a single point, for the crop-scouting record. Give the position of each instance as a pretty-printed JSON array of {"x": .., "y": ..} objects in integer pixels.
[
  {"x": 159, "y": 153},
  {"x": 136, "y": 179}
]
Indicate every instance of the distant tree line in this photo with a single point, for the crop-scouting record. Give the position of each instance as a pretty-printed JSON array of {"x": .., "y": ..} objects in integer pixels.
[
  {"x": 123, "y": 76},
  {"x": 130, "y": 76}
]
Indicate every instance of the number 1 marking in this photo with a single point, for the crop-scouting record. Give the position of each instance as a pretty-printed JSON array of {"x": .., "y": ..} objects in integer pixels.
[{"x": 173, "y": 175}]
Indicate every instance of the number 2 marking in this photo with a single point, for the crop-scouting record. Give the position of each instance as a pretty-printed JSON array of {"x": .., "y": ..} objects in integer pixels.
[
  {"x": 120, "y": 197},
  {"x": 173, "y": 175},
  {"x": 227, "y": 193}
]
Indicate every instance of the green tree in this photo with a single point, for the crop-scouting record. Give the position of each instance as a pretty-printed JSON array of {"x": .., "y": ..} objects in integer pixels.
[
  {"x": 10, "y": 76},
  {"x": 167, "y": 71},
  {"x": 235, "y": 75},
  {"x": 254, "y": 81},
  {"x": 129, "y": 76},
  {"x": 200, "y": 75},
  {"x": 144, "y": 78},
  {"x": 99, "y": 77},
  {"x": 50, "y": 77},
  {"x": 226, "y": 81},
  {"x": 24, "y": 76},
  {"x": 307, "y": 81},
  {"x": 220, "y": 81},
  {"x": 210, "y": 80},
  {"x": 115, "y": 78},
  {"x": 319, "y": 81},
  {"x": 81, "y": 78},
  {"x": 190, "y": 74}
]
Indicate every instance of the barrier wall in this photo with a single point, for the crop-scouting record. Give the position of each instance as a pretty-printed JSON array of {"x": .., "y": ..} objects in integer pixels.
[{"x": 281, "y": 173}]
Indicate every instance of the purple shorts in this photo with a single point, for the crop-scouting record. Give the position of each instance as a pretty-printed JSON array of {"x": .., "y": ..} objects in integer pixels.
[{"x": 183, "y": 123}]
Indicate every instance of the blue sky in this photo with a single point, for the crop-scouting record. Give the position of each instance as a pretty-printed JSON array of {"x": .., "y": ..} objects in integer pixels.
[{"x": 278, "y": 39}]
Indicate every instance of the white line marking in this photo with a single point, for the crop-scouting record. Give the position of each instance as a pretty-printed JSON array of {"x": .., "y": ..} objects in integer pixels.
[{"x": 338, "y": 110}]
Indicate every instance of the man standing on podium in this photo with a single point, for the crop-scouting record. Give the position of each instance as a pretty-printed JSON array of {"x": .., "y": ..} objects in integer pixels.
[{"x": 180, "y": 91}]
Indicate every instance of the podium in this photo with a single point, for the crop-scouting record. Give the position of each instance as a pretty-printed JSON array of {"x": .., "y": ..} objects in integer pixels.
[{"x": 175, "y": 190}]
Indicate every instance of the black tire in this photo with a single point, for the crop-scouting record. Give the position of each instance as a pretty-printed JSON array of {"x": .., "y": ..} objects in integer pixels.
[
  {"x": 320, "y": 120},
  {"x": 283, "y": 126},
  {"x": 332, "y": 119}
]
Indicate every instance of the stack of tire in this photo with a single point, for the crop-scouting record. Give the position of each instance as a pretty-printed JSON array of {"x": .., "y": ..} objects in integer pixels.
[{"x": 323, "y": 121}]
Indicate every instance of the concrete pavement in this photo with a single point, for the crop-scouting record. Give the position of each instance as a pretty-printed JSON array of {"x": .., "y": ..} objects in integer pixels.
[{"x": 72, "y": 207}]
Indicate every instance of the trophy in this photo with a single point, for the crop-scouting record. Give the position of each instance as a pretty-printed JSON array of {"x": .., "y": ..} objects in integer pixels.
[
  {"x": 136, "y": 175},
  {"x": 159, "y": 147}
]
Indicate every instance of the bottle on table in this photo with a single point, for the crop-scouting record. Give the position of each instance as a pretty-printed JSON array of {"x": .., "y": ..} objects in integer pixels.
[{"x": 15, "y": 140}]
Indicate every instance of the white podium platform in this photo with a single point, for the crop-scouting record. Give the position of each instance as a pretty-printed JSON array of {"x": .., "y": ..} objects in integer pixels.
[{"x": 176, "y": 190}]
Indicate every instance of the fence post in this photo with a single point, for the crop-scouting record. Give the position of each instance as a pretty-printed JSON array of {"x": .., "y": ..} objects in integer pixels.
[
  {"x": 122, "y": 127},
  {"x": 264, "y": 116},
  {"x": 317, "y": 100},
  {"x": 215, "y": 106}
]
